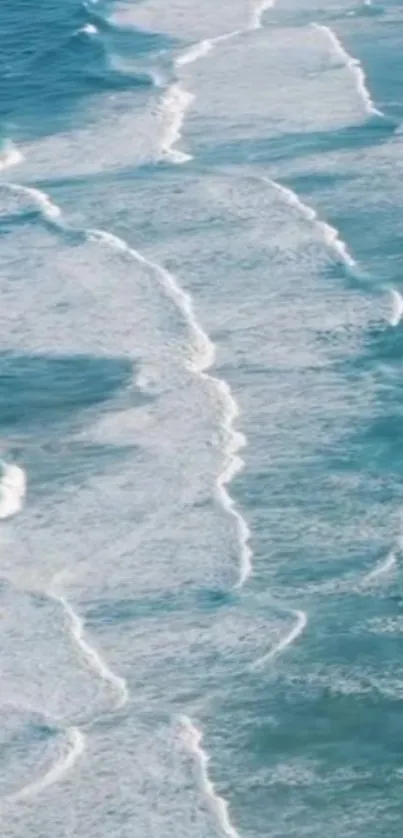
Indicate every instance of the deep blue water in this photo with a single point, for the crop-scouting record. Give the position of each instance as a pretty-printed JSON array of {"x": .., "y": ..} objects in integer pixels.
[{"x": 200, "y": 237}]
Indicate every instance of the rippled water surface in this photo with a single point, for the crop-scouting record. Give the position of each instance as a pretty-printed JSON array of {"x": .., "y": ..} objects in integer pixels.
[{"x": 201, "y": 415}]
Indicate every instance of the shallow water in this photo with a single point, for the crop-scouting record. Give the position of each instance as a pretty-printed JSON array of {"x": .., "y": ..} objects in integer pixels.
[{"x": 200, "y": 413}]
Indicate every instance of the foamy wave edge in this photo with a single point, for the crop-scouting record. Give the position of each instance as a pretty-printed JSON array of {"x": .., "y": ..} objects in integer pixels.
[
  {"x": 192, "y": 738},
  {"x": 91, "y": 655},
  {"x": 331, "y": 236},
  {"x": 354, "y": 65},
  {"x": 203, "y": 351},
  {"x": 75, "y": 747}
]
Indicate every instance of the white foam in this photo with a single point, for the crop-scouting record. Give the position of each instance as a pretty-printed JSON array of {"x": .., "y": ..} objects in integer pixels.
[
  {"x": 354, "y": 65},
  {"x": 297, "y": 629},
  {"x": 233, "y": 465},
  {"x": 203, "y": 349},
  {"x": 397, "y": 307},
  {"x": 203, "y": 354},
  {"x": 172, "y": 109},
  {"x": 89, "y": 29},
  {"x": 194, "y": 52},
  {"x": 12, "y": 490},
  {"x": 75, "y": 747},
  {"x": 50, "y": 211},
  {"x": 381, "y": 568},
  {"x": 202, "y": 48},
  {"x": 177, "y": 100},
  {"x": 330, "y": 234},
  {"x": 93, "y": 657},
  {"x": 192, "y": 738},
  {"x": 258, "y": 12},
  {"x": 9, "y": 156},
  {"x": 109, "y": 239}
]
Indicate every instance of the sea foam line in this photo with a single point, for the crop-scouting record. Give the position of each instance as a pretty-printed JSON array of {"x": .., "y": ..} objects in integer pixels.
[
  {"x": 76, "y": 745},
  {"x": 292, "y": 635},
  {"x": 177, "y": 100},
  {"x": 192, "y": 738},
  {"x": 381, "y": 568},
  {"x": 202, "y": 48},
  {"x": 202, "y": 360},
  {"x": 258, "y": 12},
  {"x": 354, "y": 65},
  {"x": 194, "y": 52},
  {"x": 173, "y": 108},
  {"x": 330, "y": 234},
  {"x": 49, "y": 211},
  {"x": 94, "y": 659}
]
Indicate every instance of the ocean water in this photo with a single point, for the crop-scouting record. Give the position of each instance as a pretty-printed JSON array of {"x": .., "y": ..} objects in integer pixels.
[{"x": 201, "y": 418}]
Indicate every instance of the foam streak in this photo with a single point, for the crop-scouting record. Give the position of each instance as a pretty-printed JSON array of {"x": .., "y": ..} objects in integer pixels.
[
  {"x": 397, "y": 307},
  {"x": 353, "y": 65},
  {"x": 202, "y": 359},
  {"x": 49, "y": 211},
  {"x": 202, "y": 48},
  {"x": 93, "y": 658},
  {"x": 381, "y": 568},
  {"x": 9, "y": 156},
  {"x": 173, "y": 108},
  {"x": 258, "y": 12},
  {"x": 330, "y": 234},
  {"x": 290, "y": 637},
  {"x": 218, "y": 805},
  {"x": 76, "y": 745},
  {"x": 12, "y": 490}
]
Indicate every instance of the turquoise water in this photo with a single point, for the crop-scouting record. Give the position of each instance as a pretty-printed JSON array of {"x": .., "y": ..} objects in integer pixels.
[{"x": 200, "y": 416}]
